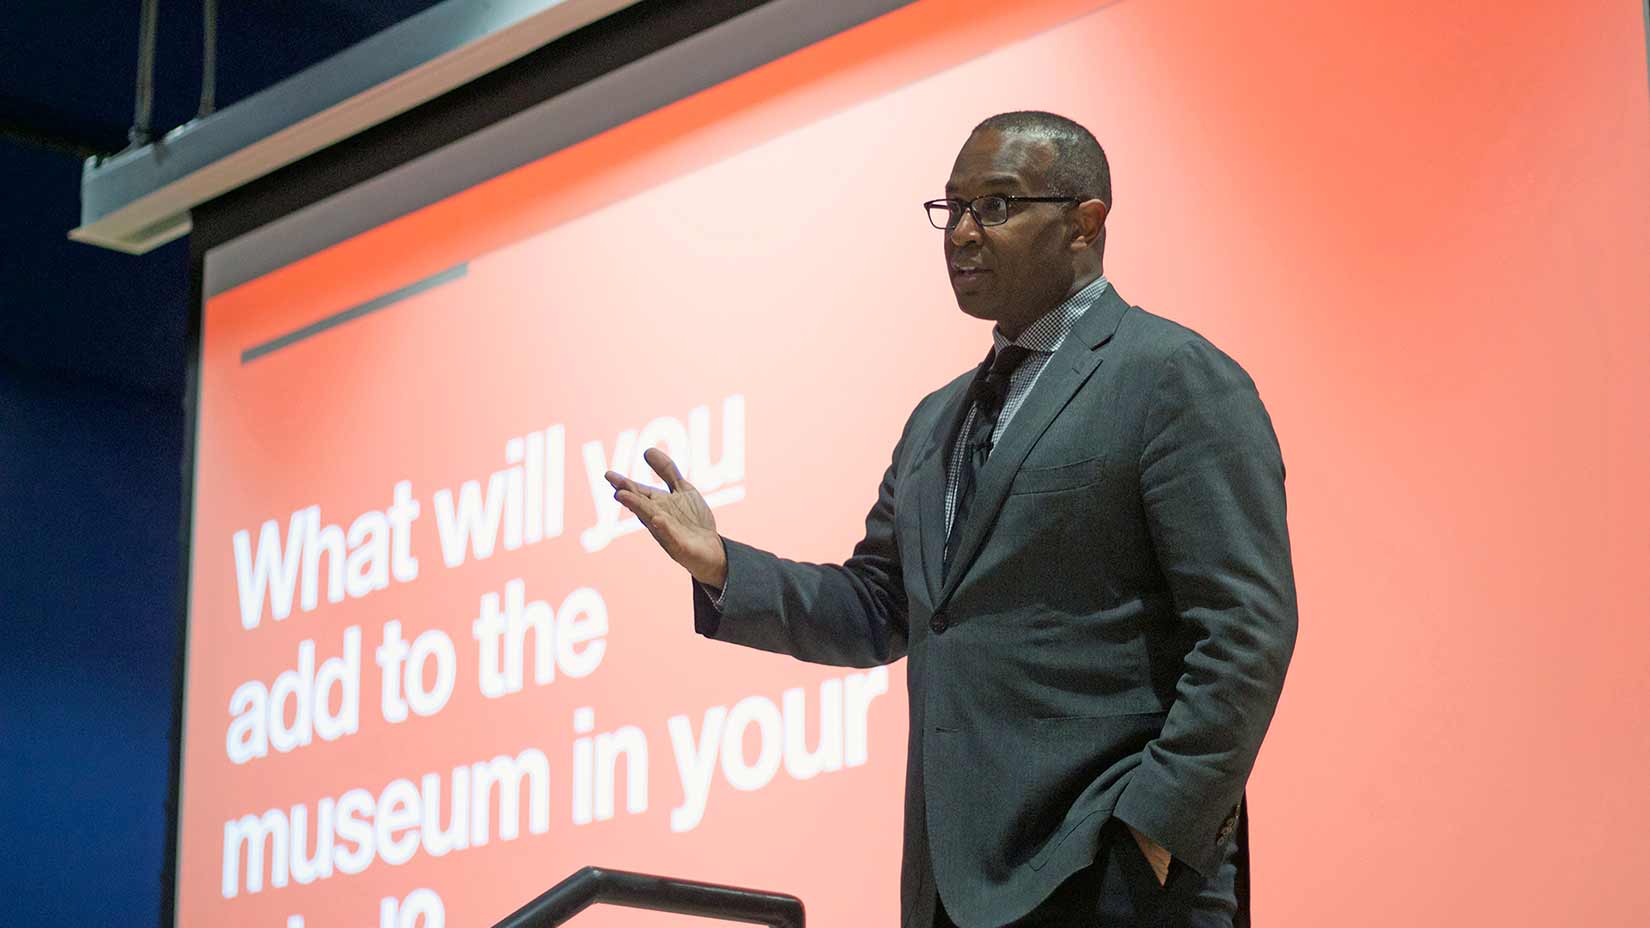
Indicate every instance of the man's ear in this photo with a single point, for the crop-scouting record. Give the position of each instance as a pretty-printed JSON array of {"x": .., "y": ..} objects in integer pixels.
[{"x": 1091, "y": 224}]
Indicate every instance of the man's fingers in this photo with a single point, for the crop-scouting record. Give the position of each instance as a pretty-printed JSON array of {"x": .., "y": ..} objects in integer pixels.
[
  {"x": 665, "y": 468},
  {"x": 662, "y": 465},
  {"x": 649, "y": 514},
  {"x": 636, "y": 503},
  {"x": 620, "y": 482}
]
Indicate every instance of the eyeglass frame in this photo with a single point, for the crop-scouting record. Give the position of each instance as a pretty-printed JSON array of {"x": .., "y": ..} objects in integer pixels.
[{"x": 968, "y": 206}]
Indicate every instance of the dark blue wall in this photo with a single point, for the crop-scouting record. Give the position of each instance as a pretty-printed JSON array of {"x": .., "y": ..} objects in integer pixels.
[
  {"x": 90, "y": 502},
  {"x": 91, "y": 439}
]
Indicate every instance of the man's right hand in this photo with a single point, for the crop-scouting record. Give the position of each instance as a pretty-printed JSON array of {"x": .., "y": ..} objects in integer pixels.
[{"x": 677, "y": 518}]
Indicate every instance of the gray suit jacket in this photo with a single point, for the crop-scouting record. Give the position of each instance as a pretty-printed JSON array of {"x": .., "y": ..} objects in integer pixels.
[{"x": 1111, "y": 640}]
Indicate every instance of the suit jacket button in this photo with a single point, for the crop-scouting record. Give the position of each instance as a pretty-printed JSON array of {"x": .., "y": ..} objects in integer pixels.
[
  {"x": 1228, "y": 826},
  {"x": 938, "y": 623}
]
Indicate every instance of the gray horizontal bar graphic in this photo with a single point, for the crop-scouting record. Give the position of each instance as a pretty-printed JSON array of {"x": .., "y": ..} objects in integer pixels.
[{"x": 354, "y": 312}]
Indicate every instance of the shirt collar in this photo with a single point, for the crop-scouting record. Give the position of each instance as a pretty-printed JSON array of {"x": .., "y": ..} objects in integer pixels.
[{"x": 1049, "y": 332}]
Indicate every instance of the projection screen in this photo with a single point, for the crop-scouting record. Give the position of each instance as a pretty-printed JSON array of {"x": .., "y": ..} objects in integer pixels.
[{"x": 432, "y": 668}]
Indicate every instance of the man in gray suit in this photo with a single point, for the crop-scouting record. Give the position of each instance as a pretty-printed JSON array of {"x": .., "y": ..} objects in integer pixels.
[{"x": 1081, "y": 546}]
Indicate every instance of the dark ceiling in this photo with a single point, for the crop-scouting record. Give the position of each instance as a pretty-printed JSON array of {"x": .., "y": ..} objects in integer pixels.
[{"x": 67, "y": 86}]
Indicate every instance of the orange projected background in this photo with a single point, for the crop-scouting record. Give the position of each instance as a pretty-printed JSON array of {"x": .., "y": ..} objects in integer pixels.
[{"x": 1421, "y": 227}]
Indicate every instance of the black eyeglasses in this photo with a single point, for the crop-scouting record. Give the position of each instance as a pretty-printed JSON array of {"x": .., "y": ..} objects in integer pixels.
[{"x": 991, "y": 210}]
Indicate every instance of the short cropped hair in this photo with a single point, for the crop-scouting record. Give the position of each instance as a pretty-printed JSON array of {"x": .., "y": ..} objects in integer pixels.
[{"x": 1079, "y": 168}]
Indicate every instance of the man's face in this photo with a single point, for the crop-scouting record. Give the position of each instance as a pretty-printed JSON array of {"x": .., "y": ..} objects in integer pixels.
[{"x": 1014, "y": 272}]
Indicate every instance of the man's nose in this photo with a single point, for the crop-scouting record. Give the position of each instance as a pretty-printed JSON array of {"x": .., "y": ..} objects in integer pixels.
[{"x": 966, "y": 230}]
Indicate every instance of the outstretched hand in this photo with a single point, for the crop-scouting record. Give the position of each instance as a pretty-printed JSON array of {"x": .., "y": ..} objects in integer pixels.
[{"x": 677, "y": 517}]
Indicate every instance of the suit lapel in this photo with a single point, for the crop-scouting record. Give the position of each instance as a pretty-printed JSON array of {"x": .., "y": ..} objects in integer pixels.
[{"x": 1067, "y": 370}]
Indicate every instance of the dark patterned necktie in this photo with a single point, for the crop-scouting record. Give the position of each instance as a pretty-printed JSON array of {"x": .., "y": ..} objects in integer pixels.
[{"x": 989, "y": 390}]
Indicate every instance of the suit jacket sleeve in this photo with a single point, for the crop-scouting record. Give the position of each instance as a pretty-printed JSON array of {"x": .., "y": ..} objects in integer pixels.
[
  {"x": 851, "y": 614},
  {"x": 1212, "y": 487}
]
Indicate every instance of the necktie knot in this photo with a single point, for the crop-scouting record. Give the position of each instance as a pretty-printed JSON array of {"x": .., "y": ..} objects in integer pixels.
[{"x": 993, "y": 387}]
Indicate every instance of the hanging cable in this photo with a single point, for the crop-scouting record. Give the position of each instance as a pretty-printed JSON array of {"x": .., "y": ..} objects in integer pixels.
[
  {"x": 139, "y": 133},
  {"x": 209, "y": 59}
]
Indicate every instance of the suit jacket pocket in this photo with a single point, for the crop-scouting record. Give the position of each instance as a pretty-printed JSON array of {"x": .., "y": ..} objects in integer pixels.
[
  {"x": 1079, "y": 767},
  {"x": 1071, "y": 476}
]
